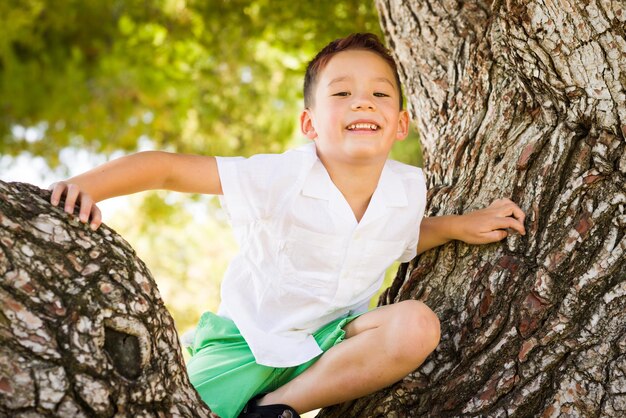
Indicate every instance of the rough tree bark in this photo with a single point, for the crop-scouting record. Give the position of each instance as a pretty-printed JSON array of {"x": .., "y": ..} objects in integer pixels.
[
  {"x": 519, "y": 99},
  {"x": 83, "y": 329}
]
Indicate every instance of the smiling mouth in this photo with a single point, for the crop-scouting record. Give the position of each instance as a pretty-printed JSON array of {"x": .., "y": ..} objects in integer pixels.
[{"x": 363, "y": 127}]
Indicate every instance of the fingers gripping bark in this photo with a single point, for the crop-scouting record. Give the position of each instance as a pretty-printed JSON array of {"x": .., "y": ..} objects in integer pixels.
[
  {"x": 75, "y": 196},
  {"x": 492, "y": 223}
]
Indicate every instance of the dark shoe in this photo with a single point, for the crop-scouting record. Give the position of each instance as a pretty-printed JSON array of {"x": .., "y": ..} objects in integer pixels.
[{"x": 252, "y": 410}]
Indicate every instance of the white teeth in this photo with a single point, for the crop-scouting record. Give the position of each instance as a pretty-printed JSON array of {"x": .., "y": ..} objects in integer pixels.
[{"x": 371, "y": 126}]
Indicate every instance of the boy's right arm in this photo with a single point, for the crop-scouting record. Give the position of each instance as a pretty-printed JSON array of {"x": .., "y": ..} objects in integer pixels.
[{"x": 134, "y": 173}]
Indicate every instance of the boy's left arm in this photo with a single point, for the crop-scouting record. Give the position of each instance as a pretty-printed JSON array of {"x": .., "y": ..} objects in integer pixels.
[{"x": 479, "y": 227}]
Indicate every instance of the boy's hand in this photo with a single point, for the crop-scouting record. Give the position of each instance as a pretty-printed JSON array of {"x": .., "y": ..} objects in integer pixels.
[
  {"x": 491, "y": 223},
  {"x": 73, "y": 195},
  {"x": 479, "y": 227}
]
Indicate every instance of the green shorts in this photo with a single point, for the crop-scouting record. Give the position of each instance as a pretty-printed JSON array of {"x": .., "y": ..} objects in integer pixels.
[{"x": 224, "y": 372}]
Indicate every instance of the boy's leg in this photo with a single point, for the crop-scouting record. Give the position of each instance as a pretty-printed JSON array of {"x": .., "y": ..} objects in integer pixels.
[{"x": 381, "y": 347}]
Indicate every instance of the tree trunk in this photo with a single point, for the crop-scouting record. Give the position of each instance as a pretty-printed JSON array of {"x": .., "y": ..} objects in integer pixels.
[
  {"x": 83, "y": 329},
  {"x": 526, "y": 100}
]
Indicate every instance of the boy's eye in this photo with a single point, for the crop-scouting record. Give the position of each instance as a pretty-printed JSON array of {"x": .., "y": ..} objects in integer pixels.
[
  {"x": 342, "y": 93},
  {"x": 381, "y": 95}
]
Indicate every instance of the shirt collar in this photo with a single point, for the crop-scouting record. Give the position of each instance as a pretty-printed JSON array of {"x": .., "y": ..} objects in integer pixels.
[
  {"x": 392, "y": 187},
  {"x": 390, "y": 191},
  {"x": 317, "y": 183}
]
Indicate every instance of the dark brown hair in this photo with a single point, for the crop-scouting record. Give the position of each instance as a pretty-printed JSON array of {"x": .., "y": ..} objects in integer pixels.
[{"x": 363, "y": 41}]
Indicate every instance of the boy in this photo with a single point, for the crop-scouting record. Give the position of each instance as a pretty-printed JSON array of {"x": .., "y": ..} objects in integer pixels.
[{"x": 317, "y": 227}]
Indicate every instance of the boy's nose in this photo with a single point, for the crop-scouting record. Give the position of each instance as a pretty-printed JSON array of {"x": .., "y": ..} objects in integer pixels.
[{"x": 362, "y": 103}]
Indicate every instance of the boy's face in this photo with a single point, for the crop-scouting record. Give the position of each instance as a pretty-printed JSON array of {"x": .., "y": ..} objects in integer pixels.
[{"x": 355, "y": 117}]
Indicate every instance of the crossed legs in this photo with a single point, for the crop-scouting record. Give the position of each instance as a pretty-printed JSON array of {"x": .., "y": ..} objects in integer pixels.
[{"x": 381, "y": 347}]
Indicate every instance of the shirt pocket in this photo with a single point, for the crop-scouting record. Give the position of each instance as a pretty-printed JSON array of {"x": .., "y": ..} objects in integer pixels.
[
  {"x": 312, "y": 259},
  {"x": 379, "y": 255}
]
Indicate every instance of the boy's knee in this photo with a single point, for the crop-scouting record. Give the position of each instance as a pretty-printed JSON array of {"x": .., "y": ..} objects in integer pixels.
[{"x": 417, "y": 331}]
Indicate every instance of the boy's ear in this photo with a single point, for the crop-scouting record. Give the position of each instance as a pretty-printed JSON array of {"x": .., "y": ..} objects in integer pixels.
[
  {"x": 306, "y": 124},
  {"x": 403, "y": 125}
]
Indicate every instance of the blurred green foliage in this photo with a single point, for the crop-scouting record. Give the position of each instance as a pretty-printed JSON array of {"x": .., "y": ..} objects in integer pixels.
[{"x": 200, "y": 76}]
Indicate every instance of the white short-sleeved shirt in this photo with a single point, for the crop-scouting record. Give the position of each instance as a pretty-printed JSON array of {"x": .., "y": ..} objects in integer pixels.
[{"x": 304, "y": 261}]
